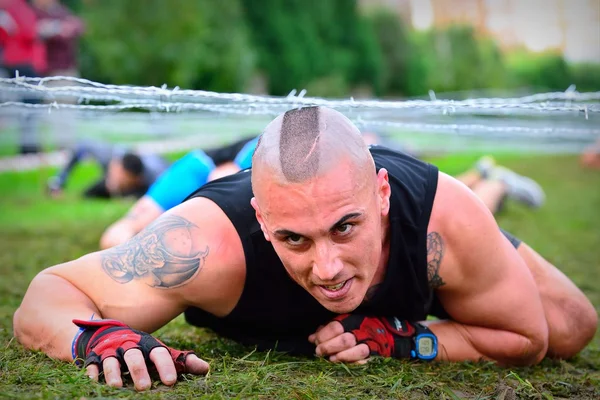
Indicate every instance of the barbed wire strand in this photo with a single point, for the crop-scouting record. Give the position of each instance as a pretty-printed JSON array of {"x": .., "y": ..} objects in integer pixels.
[{"x": 164, "y": 95}]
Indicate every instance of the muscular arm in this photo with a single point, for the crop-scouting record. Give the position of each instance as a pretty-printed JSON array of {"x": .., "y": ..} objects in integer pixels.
[
  {"x": 483, "y": 284},
  {"x": 144, "y": 283},
  {"x": 143, "y": 212}
]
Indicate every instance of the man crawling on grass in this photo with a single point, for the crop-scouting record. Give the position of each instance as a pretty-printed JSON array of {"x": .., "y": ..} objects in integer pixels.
[{"x": 326, "y": 247}]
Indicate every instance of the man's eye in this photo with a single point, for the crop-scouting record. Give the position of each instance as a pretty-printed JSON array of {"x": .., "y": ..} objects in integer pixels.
[
  {"x": 295, "y": 239},
  {"x": 344, "y": 228}
]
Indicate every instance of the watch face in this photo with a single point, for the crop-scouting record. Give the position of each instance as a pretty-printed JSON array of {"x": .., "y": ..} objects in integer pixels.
[{"x": 425, "y": 346}]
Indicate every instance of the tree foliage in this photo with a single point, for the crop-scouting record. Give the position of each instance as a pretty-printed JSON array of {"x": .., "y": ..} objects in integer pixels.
[
  {"x": 302, "y": 41},
  {"x": 327, "y": 47},
  {"x": 178, "y": 42}
]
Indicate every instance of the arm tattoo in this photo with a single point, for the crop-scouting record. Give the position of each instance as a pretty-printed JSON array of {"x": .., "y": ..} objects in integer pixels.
[
  {"x": 435, "y": 252},
  {"x": 151, "y": 256}
]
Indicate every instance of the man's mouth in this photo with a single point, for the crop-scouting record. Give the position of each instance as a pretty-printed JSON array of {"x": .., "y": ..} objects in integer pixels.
[
  {"x": 338, "y": 290},
  {"x": 335, "y": 287}
]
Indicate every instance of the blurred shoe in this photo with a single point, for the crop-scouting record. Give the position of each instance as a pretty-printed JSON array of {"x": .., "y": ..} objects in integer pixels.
[
  {"x": 519, "y": 187},
  {"x": 485, "y": 165}
]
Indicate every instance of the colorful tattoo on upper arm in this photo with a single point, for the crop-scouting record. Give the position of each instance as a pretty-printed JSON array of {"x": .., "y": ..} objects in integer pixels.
[
  {"x": 163, "y": 255},
  {"x": 435, "y": 252}
]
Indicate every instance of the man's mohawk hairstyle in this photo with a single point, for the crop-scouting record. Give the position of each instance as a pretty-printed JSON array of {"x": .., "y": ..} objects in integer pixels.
[
  {"x": 299, "y": 144},
  {"x": 304, "y": 143}
]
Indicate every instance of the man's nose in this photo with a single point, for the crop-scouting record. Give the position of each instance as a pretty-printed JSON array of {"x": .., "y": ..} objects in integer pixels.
[{"x": 327, "y": 264}]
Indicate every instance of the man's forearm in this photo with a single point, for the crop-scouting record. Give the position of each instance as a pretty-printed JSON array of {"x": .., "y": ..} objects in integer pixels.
[
  {"x": 44, "y": 319},
  {"x": 118, "y": 233},
  {"x": 143, "y": 212},
  {"x": 458, "y": 342}
]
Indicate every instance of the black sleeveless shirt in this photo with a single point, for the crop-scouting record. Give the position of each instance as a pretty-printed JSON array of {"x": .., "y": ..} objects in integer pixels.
[{"x": 274, "y": 311}]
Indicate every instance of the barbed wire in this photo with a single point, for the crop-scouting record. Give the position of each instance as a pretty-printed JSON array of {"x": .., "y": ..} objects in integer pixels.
[
  {"x": 502, "y": 131},
  {"x": 570, "y": 94},
  {"x": 464, "y": 129},
  {"x": 262, "y": 109},
  {"x": 566, "y": 119},
  {"x": 175, "y": 99}
]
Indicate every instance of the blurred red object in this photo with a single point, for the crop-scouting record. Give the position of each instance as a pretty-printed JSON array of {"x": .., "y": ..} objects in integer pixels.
[
  {"x": 21, "y": 46},
  {"x": 60, "y": 29}
]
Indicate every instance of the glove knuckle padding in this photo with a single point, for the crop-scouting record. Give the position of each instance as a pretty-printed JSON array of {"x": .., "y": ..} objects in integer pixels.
[
  {"x": 93, "y": 358},
  {"x": 179, "y": 358},
  {"x": 381, "y": 337},
  {"x": 148, "y": 343},
  {"x": 109, "y": 338}
]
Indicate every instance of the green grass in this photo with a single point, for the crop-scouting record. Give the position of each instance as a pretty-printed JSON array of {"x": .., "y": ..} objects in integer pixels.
[{"x": 36, "y": 232}]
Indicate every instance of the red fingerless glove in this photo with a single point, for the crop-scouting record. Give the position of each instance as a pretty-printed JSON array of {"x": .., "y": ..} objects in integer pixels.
[
  {"x": 104, "y": 338},
  {"x": 385, "y": 336}
]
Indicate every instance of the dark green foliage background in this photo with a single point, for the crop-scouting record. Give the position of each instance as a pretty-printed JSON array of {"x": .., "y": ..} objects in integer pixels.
[{"x": 330, "y": 48}]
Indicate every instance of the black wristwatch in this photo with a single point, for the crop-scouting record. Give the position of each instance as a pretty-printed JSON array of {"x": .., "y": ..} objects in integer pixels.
[{"x": 425, "y": 345}]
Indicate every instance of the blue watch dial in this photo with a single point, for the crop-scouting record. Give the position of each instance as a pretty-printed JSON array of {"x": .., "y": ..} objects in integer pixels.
[{"x": 426, "y": 346}]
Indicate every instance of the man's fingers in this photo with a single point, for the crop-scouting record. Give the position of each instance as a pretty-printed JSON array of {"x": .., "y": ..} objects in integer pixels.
[
  {"x": 352, "y": 355},
  {"x": 163, "y": 362},
  {"x": 195, "y": 365},
  {"x": 112, "y": 372},
  {"x": 328, "y": 332},
  {"x": 312, "y": 337},
  {"x": 92, "y": 371},
  {"x": 137, "y": 368},
  {"x": 339, "y": 343}
]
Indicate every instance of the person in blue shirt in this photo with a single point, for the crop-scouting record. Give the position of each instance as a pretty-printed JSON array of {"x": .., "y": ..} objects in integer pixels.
[{"x": 182, "y": 178}]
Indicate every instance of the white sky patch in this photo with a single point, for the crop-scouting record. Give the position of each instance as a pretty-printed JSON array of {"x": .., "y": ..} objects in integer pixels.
[{"x": 422, "y": 14}]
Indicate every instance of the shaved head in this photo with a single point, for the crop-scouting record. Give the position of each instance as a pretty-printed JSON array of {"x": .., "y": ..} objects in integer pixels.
[{"x": 304, "y": 143}]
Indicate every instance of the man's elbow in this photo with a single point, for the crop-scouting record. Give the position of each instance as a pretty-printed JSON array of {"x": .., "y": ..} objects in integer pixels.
[
  {"x": 570, "y": 334},
  {"x": 20, "y": 331},
  {"x": 528, "y": 350},
  {"x": 536, "y": 350}
]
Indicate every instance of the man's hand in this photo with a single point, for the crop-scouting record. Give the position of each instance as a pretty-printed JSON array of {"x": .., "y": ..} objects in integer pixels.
[
  {"x": 353, "y": 338},
  {"x": 112, "y": 347},
  {"x": 340, "y": 346}
]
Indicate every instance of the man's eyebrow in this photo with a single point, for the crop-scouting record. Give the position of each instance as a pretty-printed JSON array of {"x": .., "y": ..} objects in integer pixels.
[
  {"x": 286, "y": 232},
  {"x": 345, "y": 218}
]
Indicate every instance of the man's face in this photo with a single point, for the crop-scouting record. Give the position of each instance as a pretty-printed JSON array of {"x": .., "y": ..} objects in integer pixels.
[
  {"x": 328, "y": 232},
  {"x": 118, "y": 179}
]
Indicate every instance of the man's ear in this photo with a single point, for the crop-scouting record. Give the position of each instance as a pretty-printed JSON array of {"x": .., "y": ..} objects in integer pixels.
[
  {"x": 259, "y": 218},
  {"x": 384, "y": 191}
]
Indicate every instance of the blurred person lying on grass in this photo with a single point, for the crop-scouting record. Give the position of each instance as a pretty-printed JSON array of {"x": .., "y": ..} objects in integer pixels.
[
  {"x": 124, "y": 173},
  {"x": 492, "y": 183},
  {"x": 182, "y": 178},
  {"x": 325, "y": 247},
  {"x": 199, "y": 167}
]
